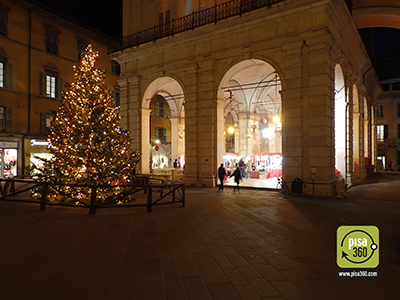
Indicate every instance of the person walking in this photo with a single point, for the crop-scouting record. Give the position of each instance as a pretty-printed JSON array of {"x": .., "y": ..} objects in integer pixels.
[
  {"x": 237, "y": 176},
  {"x": 390, "y": 165},
  {"x": 221, "y": 176},
  {"x": 241, "y": 166}
]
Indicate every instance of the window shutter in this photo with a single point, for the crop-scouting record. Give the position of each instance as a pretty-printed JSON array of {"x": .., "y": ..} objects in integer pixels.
[
  {"x": 164, "y": 109},
  {"x": 398, "y": 132},
  {"x": 156, "y": 129},
  {"x": 59, "y": 87},
  {"x": 156, "y": 107},
  {"x": 44, "y": 85},
  {"x": 165, "y": 134},
  {"x": 385, "y": 131},
  {"x": 43, "y": 129},
  {"x": 8, "y": 119},
  {"x": 9, "y": 76}
]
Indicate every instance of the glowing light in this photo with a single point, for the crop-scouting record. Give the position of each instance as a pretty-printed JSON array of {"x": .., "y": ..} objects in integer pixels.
[
  {"x": 231, "y": 130},
  {"x": 267, "y": 133},
  {"x": 276, "y": 119}
]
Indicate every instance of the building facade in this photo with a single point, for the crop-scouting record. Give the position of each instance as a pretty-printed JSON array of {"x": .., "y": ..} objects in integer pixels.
[
  {"x": 291, "y": 78},
  {"x": 38, "y": 49}
]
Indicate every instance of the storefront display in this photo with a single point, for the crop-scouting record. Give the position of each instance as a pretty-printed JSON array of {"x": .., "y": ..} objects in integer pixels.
[
  {"x": 261, "y": 166},
  {"x": 35, "y": 150}
]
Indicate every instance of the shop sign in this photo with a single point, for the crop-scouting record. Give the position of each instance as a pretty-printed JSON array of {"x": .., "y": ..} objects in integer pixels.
[
  {"x": 8, "y": 145},
  {"x": 39, "y": 143}
]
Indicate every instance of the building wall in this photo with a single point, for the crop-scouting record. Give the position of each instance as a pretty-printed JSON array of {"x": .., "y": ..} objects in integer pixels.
[
  {"x": 303, "y": 41},
  {"x": 24, "y": 46}
]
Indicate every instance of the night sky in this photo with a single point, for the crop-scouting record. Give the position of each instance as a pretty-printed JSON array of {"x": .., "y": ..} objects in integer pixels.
[{"x": 103, "y": 15}]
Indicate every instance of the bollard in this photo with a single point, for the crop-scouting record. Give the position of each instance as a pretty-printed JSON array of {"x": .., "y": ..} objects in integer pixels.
[
  {"x": 93, "y": 202},
  {"x": 149, "y": 198},
  {"x": 183, "y": 195},
  {"x": 43, "y": 200}
]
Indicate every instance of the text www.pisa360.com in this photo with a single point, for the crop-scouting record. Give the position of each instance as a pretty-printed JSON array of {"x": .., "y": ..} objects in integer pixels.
[{"x": 352, "y": 273}]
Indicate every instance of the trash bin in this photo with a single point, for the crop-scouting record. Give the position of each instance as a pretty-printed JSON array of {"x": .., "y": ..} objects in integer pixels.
[{"x": 297, "y": 186}]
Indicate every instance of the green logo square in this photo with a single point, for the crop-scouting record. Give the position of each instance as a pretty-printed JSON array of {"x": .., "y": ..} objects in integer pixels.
[{"x": 357, "y": 246}]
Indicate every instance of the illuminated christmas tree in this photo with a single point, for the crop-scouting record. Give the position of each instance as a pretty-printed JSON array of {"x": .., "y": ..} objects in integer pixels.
[{"x": 87, "y": 143}]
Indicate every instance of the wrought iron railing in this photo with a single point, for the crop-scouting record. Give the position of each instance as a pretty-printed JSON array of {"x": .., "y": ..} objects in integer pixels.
[{"x": 195, "y": 19}]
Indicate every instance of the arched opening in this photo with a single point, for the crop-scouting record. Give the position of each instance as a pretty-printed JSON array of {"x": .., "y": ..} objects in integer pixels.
[
  {"x": 163, "y": 126},
  {"x": 341, "y": 122},
  {"x": 367, "y": 158},
  {"x": 252, "y": 113},
  {"x": 356, "y": 131}
]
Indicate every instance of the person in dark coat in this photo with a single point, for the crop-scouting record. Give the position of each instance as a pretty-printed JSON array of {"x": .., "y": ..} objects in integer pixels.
[
  {"x": 238, "y": 178},
  {"x": 221, "y": 176}
]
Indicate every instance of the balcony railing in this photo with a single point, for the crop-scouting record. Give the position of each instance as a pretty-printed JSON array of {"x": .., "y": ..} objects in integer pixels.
[
  {"x": 194, "y": 20},
  {"x": 390, "y": 142}
]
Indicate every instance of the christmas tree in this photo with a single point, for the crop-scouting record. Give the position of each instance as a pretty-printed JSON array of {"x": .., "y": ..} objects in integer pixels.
[{"x": 86, "y": 140}]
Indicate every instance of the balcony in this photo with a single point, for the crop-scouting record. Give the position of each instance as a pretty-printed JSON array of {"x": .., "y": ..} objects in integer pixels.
[{"x": 194, "y": 20}]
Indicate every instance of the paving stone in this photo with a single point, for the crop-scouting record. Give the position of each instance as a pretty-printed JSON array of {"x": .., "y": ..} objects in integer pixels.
[
  {"x": 246, "y": 292},
  {"x": 223, "y": 291},
  {"x": 196, "y": 289}
]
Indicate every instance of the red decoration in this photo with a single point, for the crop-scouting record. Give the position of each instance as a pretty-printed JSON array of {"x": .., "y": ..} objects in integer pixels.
[{"x": 156, "y": 148}]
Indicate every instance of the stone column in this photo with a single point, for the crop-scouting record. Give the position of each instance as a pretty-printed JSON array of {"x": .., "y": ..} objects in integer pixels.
[
  {"x": 191, "y": 128},
  {"x": 207, "y": 162},
  {"x": 174, "y": 138}
]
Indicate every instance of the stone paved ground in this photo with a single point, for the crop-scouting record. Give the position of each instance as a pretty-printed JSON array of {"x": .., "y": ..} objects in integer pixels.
[{"x": 254, "y": 245}]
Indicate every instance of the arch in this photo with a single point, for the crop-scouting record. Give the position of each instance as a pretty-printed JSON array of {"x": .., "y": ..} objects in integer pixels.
[
  {"x": 377, "y": 16},
  {"x": 356, "y": 131},
  {"x": 341, "y": 121},
  {"x": 173, "y": 93},
  {"x": 250, "y": 92}
]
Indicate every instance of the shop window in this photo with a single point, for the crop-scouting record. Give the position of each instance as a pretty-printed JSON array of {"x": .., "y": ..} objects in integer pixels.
[
  {"x": 45, "y": 122},
  {"x": 5, "y": 119},
  {"x": 379, "y": 111},
  {"x": 381, "y": 132},
  {"x": 161, "y": 134},
  {"x": 52, "y": 34},
  {"x": 51, "y": 84},
  {"x": 4, "y": 10}
]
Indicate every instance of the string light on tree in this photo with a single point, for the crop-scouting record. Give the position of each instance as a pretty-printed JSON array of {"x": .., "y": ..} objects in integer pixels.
[{"x": 86, "y": 139}]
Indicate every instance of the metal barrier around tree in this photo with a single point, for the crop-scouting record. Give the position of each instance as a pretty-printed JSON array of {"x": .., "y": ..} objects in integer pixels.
[{"x": 168, "y": 193}]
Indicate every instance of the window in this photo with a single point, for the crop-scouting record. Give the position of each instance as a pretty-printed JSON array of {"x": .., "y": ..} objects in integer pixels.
[
  {"x": 50, "y": 86},
  {"x": 379, "y": 111},
  {"x": 4, "y": 10},
  {"x": 160, "y": 107},
  {"x": 45, "y": 122},
  {"x": 116, "y": 96},
  {"x": 51, "y": 83},
  {"x": 161, "y": 134},
  {"x": 398, "y": 109},
  {"x": 52, "y": 34},
  {"x": 5, "y": 119},
  {"x": 381, "y": 132},
  {"x": 1, "y": 74},
  {"x": 115, "y": 67},
  {"x": 82, "y": 45}
]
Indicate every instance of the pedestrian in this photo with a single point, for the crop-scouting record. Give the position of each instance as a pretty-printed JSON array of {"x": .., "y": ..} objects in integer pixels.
[
  {"x": 241, "y": 167},
  {"x": 390, "y": 165},
  {"x": 238, "y": 178},
  {"x": 176, "y": 164},
  {"x": 221, "y": 176}
]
